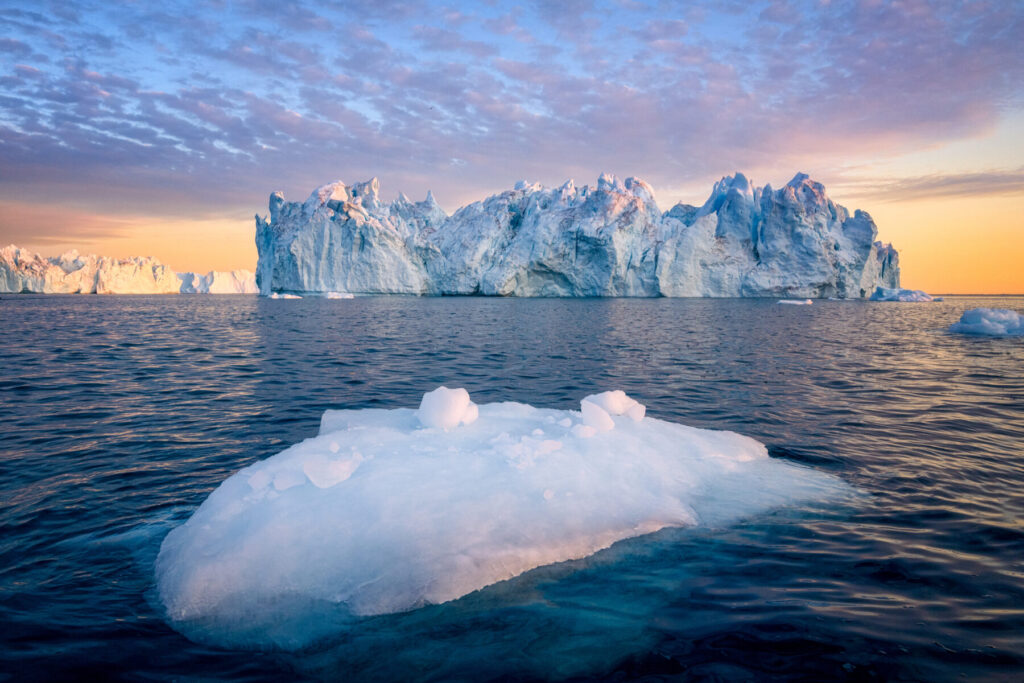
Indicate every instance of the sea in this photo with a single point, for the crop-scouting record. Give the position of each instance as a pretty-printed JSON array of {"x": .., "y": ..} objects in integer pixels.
[{"x": 120, "y": 414}]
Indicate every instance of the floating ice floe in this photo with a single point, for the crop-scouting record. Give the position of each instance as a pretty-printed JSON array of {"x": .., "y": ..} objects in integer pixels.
[
  {"x": 796, "y": 302},
  {"x": 390, "y": 510},
  {"x": 278, "y": 295},
  {"x": 904, "y": 295},
  {"x": 992, "y": 322}
]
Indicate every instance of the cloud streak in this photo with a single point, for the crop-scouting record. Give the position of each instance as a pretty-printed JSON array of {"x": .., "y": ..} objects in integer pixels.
[{"x": 981, "y": 184}]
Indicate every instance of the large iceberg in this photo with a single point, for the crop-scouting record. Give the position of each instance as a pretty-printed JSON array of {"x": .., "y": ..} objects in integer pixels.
[
  {"x": 390, "y": 510},
  {"x": 990, "y": 322},
  {"x": 607, "y": 240},
  {"x": 73, "y": 273}
]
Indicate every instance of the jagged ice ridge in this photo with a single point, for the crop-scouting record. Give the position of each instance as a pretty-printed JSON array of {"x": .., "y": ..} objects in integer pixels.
[
  {"x": 72, "y": 273},
  {"x": 608, "y": 240}
]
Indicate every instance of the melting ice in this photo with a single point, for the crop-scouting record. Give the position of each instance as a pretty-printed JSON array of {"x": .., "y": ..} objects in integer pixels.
[{"x": 389, "y": 510}]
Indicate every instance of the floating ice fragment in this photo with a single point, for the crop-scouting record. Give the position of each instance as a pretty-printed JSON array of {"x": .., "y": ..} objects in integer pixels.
[
  {"x": 378, "y": 515},
  {"x": 596, "y": 417},
  {"x": 992, "y": 322},
  {"x": 903, "y": 295},
  {"x": 796, "y": 302}
]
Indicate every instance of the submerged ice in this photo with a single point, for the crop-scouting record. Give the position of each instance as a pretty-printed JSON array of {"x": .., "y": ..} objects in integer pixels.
[{"x": 389, "y": 510}]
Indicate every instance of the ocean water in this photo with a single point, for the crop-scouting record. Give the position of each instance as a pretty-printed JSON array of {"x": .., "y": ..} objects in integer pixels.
[{"x": 119, "y": 415}]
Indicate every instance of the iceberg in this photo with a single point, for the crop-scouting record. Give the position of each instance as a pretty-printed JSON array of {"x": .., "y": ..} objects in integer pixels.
[
  {"x": 904, "y": 295},
  {"x": 219, "y": 282},
  {"x": 607, "y": 240},
  {"x": 390, "y": 510},
  {"x": 73, "y": 273},
  {"x": 991, "y": 322},
  {"x": 796, "y": 302}
]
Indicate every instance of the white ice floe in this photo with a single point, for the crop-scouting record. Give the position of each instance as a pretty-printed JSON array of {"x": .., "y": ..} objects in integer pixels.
[
  {"x": 796, "y": 302},
  {"x": 992, "y": 322},
  {"x": 904, "y": 295},
  {"x": 389, "y": 510},
  {"x": 278, "y": 295}
]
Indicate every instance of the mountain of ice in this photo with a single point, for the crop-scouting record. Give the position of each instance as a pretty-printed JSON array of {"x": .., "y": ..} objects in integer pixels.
[
  {"x": 387, "y": 510},
  {"x": 607, "y": 240},
  {"x": 73, "y": 273}
]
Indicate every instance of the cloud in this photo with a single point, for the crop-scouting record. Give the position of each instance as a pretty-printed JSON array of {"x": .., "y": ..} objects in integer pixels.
[{"x": 981, "y": 184}]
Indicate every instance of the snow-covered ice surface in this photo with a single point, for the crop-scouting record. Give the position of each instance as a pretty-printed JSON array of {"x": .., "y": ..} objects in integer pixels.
[
  {"x": 904, "y": 295},
  {"x": 390, "y": 510},
  {"x": 608, "y": 240},
  {"x": 73, "y": 273},
  {"x": 992, "y": 322}
]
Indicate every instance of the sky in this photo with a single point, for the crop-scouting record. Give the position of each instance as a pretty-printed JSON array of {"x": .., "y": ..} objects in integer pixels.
[{"x": 143, "y": 128}]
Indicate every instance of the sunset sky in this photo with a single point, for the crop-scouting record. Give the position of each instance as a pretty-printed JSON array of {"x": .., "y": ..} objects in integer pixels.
[{"x": 161, "y": 128}]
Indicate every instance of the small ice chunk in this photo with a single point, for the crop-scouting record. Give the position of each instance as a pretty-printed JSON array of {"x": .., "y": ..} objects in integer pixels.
[
  {"x": 636, "y": 411},
  {"x": 445, "y": 408},
  {"x": 596, "y": 417},
  {"x": 325, "y": 473},
  {"x": 618, "y": 403},
  {"x": 796, "y": 302},
  {"x": 991, "y": 322}
]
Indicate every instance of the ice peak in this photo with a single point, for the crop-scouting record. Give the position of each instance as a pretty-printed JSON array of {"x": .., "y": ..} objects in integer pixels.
[
  {"x": 809, "y": 193},
  {"x": 640, "y": 188},
  {"x": 798, "y": 179},
  {"x": 275, "y": 203},
  {"x": 336, "y": 191},
  {"x": 609, "y": 183},
  {"x": 367, "y": 192}
]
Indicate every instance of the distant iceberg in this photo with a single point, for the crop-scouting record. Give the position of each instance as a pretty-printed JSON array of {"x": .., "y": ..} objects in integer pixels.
[
  {"x": 904, "y": 295},
  {"x": 390, "y": 510},
  {"x": 73, "y": 273},
  {"x": 607, "y": 240},
  {"x": 991, "y": 322},
  {"x": 796, "y": 302}
]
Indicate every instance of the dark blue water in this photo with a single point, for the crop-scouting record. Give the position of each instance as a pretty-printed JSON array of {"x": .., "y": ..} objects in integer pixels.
[{"x": 118, "y": 415}]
